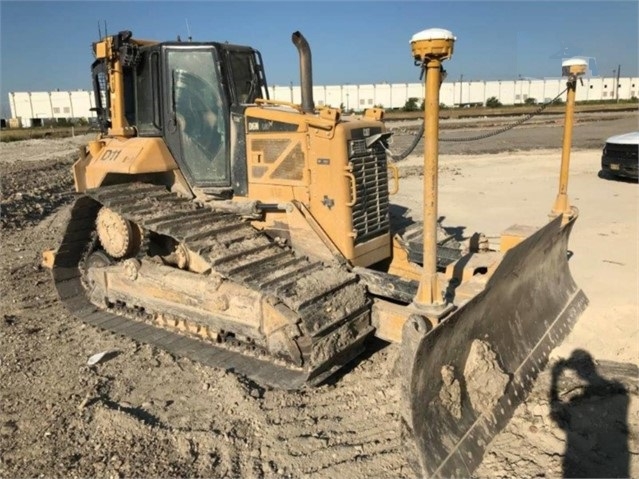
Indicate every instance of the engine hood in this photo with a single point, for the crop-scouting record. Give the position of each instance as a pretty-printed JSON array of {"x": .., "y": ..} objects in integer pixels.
[{"x": 625, "y": 139}]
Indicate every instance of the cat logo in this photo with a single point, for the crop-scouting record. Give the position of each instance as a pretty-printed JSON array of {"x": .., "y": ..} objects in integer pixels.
[{"x": 366, "y": 132}]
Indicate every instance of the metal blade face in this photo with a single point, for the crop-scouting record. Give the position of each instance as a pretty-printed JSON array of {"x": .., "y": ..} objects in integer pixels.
[{"x": 465, "y": 378}]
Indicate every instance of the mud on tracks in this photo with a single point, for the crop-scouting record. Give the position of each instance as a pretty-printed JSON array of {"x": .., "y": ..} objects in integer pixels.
[{"x": 143, "y": 412}]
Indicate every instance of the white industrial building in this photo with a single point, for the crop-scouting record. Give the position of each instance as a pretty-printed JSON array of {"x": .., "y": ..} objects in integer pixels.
[
  {"x": 30, "y": 107},
  {"x": 512, "y": 92}
]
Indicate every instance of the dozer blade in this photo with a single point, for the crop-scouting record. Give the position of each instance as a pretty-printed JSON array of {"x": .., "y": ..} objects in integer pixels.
[{"x": 464, "y": 379}]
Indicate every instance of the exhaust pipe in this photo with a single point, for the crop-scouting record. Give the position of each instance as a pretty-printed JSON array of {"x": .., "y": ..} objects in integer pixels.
[{"x": 306, "y": 72}]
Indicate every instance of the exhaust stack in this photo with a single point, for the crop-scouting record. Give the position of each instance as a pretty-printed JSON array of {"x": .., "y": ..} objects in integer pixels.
[{"x": 306, "y": 72}]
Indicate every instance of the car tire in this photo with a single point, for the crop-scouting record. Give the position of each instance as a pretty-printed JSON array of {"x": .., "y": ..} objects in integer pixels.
[{"x": 606, "y": 175}]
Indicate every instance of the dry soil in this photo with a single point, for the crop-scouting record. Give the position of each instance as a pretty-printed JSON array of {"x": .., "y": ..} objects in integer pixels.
[{"x": 144, "y": 413}]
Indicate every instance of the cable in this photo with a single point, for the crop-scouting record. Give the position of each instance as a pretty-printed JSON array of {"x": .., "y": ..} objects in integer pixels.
[
  {"x": 410, "y": 148},
  {"x": 420, "y": 134},
  {"x": 509, "y": 127}
]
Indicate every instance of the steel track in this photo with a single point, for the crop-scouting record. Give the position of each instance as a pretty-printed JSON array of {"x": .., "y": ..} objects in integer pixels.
[{"x": 239, "y": 252}]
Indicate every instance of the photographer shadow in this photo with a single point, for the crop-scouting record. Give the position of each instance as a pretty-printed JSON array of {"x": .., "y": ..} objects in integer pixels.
[{"x": 592, "y": 410}]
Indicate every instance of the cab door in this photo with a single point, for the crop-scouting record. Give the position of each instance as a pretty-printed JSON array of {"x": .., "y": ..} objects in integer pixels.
[{"x": 196, "y": 128}]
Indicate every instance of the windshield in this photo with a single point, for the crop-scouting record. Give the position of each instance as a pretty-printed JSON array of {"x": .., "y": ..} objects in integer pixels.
[{"x": 200, "y": 114}]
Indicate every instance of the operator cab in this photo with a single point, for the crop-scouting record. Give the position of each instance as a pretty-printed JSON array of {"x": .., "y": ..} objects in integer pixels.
[{"x": 187, "y": 93}]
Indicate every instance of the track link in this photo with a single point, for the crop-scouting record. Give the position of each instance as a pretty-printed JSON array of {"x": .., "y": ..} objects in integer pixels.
[{"x": 325, "y": 299}]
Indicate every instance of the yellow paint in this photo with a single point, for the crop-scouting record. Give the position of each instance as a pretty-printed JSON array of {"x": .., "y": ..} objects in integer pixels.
[
  {"x": 104, "y": 50},
  {"x": 323, "y": 185},
  {"x": 514, "y": 235},
  {"x": 430, "y": 291},
  {"x": 400, "y": 266},
  {"x": 388, "y": 320},
  {"x": 474, "y": 264},
  {"x": 431, "y": 53},
  {"x": 128, "y": 156},
  {"x": 562, "y": 203},
  {"x": 433, "y": 48},
  {"x": 48, "y": 258}
]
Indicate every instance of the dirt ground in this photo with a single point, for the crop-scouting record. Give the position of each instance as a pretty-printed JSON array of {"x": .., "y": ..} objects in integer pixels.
[{"x": 144, "y": 413}]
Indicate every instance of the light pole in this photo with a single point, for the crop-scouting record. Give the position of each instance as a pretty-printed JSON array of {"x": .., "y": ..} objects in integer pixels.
[
  {"x": 521, "y": 88},
  {"x": 461, "y": 83},
  {"x": 71, "y": 105},
  {"x": 51, "y": 106},
  {"x": 31, "y": 104}
]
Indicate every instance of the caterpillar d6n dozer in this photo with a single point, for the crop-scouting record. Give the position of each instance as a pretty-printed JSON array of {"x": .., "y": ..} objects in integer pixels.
[{"x": 254, "y": 235}]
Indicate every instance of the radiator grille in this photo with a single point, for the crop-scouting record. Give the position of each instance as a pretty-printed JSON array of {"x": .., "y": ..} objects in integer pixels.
[
  {"x": 370, "y": 212},
  {"x": 621, "y": 151}
]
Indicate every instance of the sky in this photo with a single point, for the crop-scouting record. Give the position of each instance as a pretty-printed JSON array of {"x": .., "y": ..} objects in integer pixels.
[{"x": 46, "y": 45}]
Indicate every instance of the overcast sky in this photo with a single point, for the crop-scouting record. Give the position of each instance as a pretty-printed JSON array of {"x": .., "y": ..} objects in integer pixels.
[{"x": 46, "y": 45}]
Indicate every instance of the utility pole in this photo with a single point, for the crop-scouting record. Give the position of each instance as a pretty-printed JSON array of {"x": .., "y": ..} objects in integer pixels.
[
  {"x": 71, "y": 105},
  {"x": 617, "y": 84},
  {"x": 52, "y": 117},
  {"x": 31, "y": 105},
  {"x": 14, "y": 110}
]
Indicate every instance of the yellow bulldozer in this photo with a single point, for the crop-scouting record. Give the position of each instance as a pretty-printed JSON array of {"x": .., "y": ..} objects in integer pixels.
[{"x": 255, "y": 235}]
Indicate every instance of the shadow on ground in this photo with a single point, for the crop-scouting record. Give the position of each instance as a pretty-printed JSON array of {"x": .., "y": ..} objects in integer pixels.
[{"x": 589, "y": 402}]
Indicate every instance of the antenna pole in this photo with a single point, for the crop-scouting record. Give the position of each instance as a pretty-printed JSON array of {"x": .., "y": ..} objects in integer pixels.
[{"x": 188, "y": 29}]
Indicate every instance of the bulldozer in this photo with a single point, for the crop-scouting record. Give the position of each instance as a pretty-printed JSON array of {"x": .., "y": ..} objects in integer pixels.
[{"x": 257, "y": 236}]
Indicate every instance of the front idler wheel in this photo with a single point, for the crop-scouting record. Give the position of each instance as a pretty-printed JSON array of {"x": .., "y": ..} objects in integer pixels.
[{"x": 119, "y": 237}]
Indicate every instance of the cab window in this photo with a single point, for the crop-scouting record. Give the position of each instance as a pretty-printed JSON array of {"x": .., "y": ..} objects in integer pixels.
[{"x": 200, "y": 114}]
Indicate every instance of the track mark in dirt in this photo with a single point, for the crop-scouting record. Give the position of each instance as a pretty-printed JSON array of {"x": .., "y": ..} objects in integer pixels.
[
  {"x": 159, "y": 416},
  {"x": 350, "y": 428}
]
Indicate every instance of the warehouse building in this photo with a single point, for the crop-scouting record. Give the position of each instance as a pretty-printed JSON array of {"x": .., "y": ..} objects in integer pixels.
[
  {"x": 36, "y": 108},
  {"x": 32, "y": 108},
  {"x": 465, "y": 93}
]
